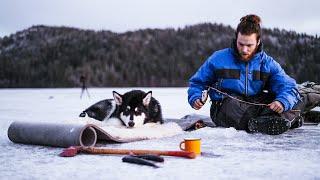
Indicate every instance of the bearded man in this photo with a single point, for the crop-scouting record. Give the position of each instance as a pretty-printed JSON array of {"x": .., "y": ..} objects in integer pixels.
[{"x": 247, "y": 73}]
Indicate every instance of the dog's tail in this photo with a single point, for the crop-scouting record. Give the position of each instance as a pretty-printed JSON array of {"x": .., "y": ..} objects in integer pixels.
[{"x": 83, "y": 114}]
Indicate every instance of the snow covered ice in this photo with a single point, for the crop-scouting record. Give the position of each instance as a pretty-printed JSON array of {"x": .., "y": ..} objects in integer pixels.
[{"x": 227, "y": 153}]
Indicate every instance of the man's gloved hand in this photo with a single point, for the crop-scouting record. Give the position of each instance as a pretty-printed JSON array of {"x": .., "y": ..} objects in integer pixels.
[{"x": 276, "y": 106}]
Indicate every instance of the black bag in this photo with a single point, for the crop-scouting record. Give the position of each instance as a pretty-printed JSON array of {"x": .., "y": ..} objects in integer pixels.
[{"x": 310, "y": 94}]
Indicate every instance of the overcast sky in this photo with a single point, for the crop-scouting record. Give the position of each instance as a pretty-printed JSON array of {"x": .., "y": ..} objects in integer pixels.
[{"x": 124, "y": 15}]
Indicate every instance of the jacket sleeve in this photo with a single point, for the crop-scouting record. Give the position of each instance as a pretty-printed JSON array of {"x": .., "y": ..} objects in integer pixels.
[
  {"x": 284, "y": 87},
  {"x": 202, "y": 78}
]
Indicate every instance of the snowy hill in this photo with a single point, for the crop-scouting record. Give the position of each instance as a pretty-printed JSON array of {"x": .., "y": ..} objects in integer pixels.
[{"x": 44, "y": 56}]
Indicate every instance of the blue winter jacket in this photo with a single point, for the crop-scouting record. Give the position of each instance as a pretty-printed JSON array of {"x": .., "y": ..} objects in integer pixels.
[{"x": 224, "y": 71}]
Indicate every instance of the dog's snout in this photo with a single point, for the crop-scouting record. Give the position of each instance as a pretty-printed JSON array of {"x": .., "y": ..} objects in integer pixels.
[
  {"x": 131, "y": 117},
  {"x": 131, "y": 123}
]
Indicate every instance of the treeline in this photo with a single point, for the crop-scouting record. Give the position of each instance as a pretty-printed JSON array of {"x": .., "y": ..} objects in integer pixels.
[{"x": 43, "y": 56}]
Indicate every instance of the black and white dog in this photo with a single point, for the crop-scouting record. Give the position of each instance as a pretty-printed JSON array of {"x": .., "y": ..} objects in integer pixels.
[{"x": 132, "y": 109}]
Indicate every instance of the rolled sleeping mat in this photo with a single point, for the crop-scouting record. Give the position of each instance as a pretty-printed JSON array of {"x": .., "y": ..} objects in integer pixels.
[{"x": 52, "y": 134}]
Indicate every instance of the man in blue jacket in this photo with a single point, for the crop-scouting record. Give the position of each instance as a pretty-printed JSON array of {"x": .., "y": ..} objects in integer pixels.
[{"x": 246, "y": 72}]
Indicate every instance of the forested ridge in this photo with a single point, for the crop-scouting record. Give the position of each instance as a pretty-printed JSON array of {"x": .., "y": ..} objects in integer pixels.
[{"x": 46, "y": 56}]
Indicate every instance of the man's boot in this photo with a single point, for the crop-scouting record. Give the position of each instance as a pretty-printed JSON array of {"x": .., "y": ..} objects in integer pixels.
[
  {"x": 297, "y": 122},
  {"x": 272, "y": 125}
]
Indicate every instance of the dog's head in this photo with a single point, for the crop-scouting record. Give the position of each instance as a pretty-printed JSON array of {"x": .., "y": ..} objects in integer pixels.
[{"x": 133, "y": 107}]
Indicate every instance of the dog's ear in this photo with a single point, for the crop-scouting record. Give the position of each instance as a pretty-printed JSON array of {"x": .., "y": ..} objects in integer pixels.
[
  {"x": 147, "y": 98},
  {"x": 117, "y": 97}
]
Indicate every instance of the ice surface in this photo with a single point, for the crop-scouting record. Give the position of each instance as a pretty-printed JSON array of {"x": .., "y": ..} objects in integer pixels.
[{"x": 227, "y": 153}]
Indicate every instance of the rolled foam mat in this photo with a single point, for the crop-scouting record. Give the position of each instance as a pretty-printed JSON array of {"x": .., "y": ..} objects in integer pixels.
[
  {"x": 79, "y": 134},
  {"x": 51, "y": 134}
]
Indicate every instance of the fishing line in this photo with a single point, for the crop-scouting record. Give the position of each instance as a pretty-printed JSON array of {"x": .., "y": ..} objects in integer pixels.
[{"x": 237, "y": 99}]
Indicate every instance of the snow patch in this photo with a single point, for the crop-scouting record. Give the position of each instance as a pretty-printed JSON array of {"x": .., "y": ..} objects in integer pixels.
[{"x": 227, "y": 153}]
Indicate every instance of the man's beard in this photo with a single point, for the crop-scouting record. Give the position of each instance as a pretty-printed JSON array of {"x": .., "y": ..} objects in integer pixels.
[{"x": 247, "y": 58}]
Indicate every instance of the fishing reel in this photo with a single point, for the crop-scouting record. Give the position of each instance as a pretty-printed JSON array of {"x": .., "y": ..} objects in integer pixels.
[{"x": 204, "y": 96}]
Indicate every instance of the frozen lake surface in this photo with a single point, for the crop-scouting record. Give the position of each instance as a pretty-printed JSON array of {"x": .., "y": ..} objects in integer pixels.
[{"x": 228, "y": 153}]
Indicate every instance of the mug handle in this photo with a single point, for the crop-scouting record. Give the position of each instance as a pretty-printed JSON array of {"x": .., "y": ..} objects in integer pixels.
[{"x": 182, "y": 143}]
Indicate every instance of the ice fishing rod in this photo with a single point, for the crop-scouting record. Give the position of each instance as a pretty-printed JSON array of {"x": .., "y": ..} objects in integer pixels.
[{"x": 204, "y": 97}]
